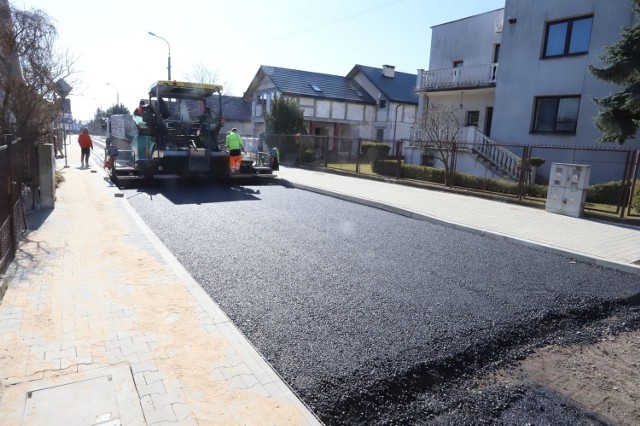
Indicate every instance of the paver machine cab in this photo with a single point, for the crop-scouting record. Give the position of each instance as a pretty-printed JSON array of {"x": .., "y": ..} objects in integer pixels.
[{"x": 179, "y": 136}]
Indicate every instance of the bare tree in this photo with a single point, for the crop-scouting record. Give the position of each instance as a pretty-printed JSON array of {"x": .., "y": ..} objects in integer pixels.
[
  {"x": 201, "y": 74},
  {"x": 29, "y": 70},
  {"x": 437, "y": 132}
]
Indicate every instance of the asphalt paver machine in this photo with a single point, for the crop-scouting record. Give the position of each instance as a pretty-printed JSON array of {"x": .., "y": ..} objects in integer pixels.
[{"x": 178, "y": 134}]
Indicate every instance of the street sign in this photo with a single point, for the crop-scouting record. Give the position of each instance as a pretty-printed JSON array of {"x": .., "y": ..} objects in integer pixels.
[
  {"x": 63, "y": 88},
  {"x": 63, "y": 120}
]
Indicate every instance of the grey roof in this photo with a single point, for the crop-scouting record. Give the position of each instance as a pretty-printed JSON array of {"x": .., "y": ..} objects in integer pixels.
[
  {"x": 302, "y": 83},
  {"x": 400, "y": 88}
]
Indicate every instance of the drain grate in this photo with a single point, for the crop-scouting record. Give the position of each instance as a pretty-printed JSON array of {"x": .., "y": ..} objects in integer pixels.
[{"x": 88, "y": 402}]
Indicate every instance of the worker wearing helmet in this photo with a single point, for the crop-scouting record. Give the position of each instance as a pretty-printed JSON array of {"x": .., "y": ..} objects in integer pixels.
[{"x": 235, "y": 146}]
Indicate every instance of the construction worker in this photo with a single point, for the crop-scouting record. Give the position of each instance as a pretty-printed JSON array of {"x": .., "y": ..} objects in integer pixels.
[
  {"x": 234, "y": 145},
  {"x": 86, "y": 145},
  {"x": 275, "y": 159},
  {"x": 141, "y": 106}
]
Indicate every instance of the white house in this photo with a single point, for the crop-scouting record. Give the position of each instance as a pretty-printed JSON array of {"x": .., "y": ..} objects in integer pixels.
[
  {"x": 520, "y": 74},
  {"x": 370, "y": 103}
]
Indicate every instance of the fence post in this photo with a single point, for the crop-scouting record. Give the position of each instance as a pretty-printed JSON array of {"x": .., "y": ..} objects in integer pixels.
[
  {"x": 452, "y": 166},
  {"x": 633, "y": 175},
  {"x": 358, "y": 149},
  {"x": 13, "y": 243},
  {"x": 325, "y": 143},
  {"x": 524, "y": 161},
  {"x": 399, "y": 163}
]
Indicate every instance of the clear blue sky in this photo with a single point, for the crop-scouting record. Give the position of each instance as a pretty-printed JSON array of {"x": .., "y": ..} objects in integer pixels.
[{"x": 233, "y": 38}]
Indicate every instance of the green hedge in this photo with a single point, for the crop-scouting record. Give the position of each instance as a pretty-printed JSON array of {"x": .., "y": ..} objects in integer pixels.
[
  {"x": 605, "y": 193},
  {"x": 375, "y": 151},
  {"x": 429, "y": 174},
  {"x": 609, "y": 193},
  {"x": 308, "y": 156},
  {"x": 462, "y": 180}
]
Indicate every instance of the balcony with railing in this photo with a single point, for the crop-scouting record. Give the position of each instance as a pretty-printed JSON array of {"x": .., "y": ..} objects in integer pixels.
[{"x": 458, "y": 78}]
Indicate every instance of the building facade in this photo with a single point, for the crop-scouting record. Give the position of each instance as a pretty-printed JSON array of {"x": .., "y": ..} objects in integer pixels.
[
  {"x": 369, "y": 103},
  {"x": 520, "y": 74}
]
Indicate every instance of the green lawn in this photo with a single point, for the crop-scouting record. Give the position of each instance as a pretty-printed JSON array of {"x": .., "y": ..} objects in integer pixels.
[{"x": 365, "y": 168}]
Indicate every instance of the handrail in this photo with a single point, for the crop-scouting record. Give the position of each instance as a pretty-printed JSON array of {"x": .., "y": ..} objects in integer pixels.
[{"x": 503, "y": 159}]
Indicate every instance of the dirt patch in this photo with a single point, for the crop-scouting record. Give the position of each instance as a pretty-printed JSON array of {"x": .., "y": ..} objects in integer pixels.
[{"x": 603, "y": 377}]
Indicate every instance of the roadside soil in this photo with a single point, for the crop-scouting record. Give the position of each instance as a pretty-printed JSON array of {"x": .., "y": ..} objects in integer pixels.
[{"x": 603, "y": 377}]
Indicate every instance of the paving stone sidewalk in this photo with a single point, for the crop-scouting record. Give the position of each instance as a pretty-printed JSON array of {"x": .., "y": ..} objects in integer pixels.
[{"x": 100, "y": 321}]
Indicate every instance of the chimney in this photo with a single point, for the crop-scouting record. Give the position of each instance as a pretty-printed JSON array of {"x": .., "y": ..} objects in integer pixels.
[{"x": 389, "y": 71}]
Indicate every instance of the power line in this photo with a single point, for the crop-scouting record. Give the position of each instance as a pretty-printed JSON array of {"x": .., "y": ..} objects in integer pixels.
[{"x": 335, "y": 21}]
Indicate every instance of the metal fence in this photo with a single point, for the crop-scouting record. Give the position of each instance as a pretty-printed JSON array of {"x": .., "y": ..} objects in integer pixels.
[
  {"x": 509, "y": 170},
  {"x": 18, "y": 193}
]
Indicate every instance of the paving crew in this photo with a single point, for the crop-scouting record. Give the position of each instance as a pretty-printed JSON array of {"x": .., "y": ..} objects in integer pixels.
[{"x": 235, "y": 146}]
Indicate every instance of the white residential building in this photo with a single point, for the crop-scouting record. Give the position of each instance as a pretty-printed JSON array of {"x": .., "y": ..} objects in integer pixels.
[
  {"x": 520, "y": 74},
  {"x": 369, "y": 103}
]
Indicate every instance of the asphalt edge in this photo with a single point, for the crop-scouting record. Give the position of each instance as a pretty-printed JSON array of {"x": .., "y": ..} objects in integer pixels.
[
  {"x": 598, "y": 261},
  {"x": 199, "y": 294}
]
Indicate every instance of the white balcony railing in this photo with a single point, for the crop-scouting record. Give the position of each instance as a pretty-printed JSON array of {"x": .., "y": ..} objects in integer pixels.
[{"x": 462, "y": 77}]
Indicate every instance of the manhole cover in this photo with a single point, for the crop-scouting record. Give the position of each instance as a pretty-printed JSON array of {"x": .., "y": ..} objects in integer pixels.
[{"x": 88, "y": 402}]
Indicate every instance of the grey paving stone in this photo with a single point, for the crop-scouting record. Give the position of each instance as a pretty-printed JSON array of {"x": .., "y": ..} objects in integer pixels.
[
  {"x": 143, "y": 366},
  {"x": 155, "y": 388},
  {"x": 165, "y": 414},
  {"x": 152, "y": 376},
  {"x": 182, "y": 411},
  {"x": 163, "y": 399}
]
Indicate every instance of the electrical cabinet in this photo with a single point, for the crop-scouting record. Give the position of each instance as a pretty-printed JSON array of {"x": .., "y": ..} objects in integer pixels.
[{"x": 568, "y": 185}]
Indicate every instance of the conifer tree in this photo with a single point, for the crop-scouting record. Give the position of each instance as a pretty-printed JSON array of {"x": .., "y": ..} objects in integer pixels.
[{"x": 619, "y": 115}]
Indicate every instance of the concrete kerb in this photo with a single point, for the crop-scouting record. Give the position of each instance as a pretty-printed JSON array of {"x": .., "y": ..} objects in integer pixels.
[{"x": 623, "y": 267}]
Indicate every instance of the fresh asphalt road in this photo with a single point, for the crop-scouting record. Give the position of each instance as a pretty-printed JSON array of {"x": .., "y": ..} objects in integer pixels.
[{"x": 355, "y": 306}]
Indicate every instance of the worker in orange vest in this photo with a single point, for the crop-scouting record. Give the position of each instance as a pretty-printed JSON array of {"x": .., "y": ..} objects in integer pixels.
[{"x": 235, "y": 145}]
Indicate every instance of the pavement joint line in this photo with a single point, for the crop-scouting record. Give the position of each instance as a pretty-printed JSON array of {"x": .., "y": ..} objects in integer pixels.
[{"x": 598, "y": 261}]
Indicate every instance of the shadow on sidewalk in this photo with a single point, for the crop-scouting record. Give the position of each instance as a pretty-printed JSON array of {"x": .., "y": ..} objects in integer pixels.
[{"x": 37, "y": 218}]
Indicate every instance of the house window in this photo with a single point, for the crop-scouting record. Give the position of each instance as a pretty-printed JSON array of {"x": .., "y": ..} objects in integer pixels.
[
  {"x": 382, "y": 104},
  {"x": 557, "y": 114},
  {"x": 427, "y": 160},
  {"x": 472, "y": 118},
  {"x": 458, "y": 64},
  {"x": 567, "y": 37},
  {"x": 379, "y": 134}
]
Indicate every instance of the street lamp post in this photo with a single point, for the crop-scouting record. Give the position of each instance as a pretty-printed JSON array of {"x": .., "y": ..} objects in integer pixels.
[
  {"x": 169, "y": 57},
  {"x": 117, "y": 94}
]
